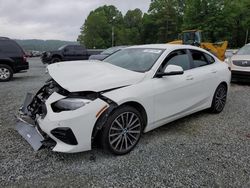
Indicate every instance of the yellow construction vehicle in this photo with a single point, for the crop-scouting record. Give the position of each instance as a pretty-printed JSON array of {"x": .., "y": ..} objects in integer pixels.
[{"x": 193, "y": 37}]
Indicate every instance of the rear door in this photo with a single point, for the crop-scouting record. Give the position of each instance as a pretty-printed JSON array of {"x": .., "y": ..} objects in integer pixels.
[
  {"x": 69, "y": 53},
  {"x": 10, "y": 49},
  {"x": 80, "y": 53},
  {"x": 204, "y": 73}
]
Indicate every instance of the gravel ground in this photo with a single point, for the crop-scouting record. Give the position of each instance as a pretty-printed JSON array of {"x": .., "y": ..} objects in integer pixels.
[{"x": 202, "y": 150}]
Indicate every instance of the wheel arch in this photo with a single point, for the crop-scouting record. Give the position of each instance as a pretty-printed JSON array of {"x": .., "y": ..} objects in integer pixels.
[
  {"x": 57, "y": 56},
  {"x": 140, "y": 109},
  {"x": 225, "y": 84},
  {"x": 103, "y": 117},
  {"x": 7, "y": 62}
]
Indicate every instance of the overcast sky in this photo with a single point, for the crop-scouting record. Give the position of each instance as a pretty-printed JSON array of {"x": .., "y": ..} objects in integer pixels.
[{"x": 53, "y": 19}]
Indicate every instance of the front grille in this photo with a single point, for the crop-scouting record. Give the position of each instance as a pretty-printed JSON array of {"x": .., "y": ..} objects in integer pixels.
[
  {"x": 242, "y": 63},
  {"x": 38, "y": 106}
]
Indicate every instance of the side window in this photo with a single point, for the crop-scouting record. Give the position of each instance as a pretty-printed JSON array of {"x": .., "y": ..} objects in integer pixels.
[
  {"x": 10, "y": 47},
  {"x": 200, "y": 58},
  {"x": 69, "y": 49},
  {"x": 178, "y": 57},
  {"x": 79, "y": 50},
  {"x": 209, "y": 58}
]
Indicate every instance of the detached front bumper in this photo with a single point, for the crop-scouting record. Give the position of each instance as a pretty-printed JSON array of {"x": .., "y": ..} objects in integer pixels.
[
  {"x": 27, "y": 127},
  {"x": 66, "y": 131}
]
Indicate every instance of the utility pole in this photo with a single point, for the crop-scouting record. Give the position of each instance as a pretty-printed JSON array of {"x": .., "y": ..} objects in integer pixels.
[
  {"x": 113, "y": 35},
  {"x": 246, "y": 37},
  {"x": 113, "y": 32}
]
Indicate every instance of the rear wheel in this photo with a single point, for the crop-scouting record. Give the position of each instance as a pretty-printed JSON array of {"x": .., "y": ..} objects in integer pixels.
[
  {"x": 6, "y": 73},
  {"x": 219, "y": 99},
  {"x": 122, "y": 131}
]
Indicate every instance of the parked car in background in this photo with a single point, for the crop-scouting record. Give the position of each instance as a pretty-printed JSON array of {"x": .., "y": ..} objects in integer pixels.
[
  {"x": 132, "y": 91},
  {"x": 12, "y": 59},
  {"x": 230, "y": 52},
  {"x": 239, "y": 64},
  {"x": 35, "y": 53},
  {"x": 68, "y": 53},
  {"x": 106, "y": 53}
]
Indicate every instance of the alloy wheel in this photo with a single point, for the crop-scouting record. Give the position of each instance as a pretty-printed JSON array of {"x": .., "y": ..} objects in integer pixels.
[
  {"x": 125, "y": 132},
  {"x": 4, "y": 73},
  {"x": 220, "y": 98}
]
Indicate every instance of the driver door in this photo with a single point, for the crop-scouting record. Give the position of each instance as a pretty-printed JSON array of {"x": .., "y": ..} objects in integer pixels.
[{"x": 174, "y": 94}]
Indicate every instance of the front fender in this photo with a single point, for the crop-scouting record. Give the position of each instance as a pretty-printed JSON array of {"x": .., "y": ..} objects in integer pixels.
[{"x": 140, "y": 93}]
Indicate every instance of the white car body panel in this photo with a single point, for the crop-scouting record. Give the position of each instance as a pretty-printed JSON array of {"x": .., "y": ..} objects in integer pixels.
[
  {"x": 91, "y": 75},
  {"x": 174, "y": 99},
  {"x": 164, "y": 99},
  {"x": 81, "y": 122}
]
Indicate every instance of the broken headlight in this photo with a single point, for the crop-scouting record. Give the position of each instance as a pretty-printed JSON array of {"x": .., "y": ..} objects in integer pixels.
[{"x": 69, "y": 104}]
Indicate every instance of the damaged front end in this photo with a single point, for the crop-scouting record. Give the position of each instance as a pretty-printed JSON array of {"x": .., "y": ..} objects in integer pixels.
[
  {"x": 36, "y": 127},
  {"x": 33, "y": 108}
]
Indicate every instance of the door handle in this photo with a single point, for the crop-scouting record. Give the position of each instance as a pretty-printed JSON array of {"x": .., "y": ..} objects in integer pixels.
[
  {"x": 190, "y": 77},
  {"x": 213, "y": 71}
]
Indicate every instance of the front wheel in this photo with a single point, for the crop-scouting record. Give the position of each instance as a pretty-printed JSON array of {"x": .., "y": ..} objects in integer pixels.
[
  {"x": 6, "y": 73},
  {"x": 122, "y": 131},
  {"x": 219, "y": 99}
]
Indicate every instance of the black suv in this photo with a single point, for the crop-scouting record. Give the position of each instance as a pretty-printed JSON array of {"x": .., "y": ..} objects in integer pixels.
[{"x": 12, "y": 59}]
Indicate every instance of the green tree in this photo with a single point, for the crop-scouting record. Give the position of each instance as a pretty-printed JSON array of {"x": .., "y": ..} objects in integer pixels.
[
  {"x": 206, "y": 15},
  {"x": 133, "y": 27},
  {"x": 164, "y": 18},
  {"x": 219, "y": 20},
  {"x": 97, "y": 28},
  {"x": 237, "y": 21}
]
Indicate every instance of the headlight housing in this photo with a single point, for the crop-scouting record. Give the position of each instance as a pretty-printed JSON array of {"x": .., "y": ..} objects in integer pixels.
[{"x": 69, "y": 104}]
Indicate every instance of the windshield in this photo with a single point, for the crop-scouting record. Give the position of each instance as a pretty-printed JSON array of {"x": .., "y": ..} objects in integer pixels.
[
  {"x": 111, "y": 50},
  {"x": 245, "y": 50},
  {"x": 135, "y": 59}
]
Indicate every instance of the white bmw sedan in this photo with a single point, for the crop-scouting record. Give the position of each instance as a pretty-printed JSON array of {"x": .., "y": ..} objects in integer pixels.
[{"x": 114, "y": 102}]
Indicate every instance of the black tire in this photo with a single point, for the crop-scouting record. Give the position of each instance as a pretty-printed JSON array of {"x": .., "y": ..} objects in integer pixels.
[
  {"x": 128, "y": 137},
  {"x": 55, "y": 60},
  {"x": 219, "y": 99},
  {"x": 6, "y": 73}
]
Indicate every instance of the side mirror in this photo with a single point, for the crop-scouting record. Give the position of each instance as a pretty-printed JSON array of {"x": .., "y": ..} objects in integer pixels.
[{"x": 171, "y": 70}]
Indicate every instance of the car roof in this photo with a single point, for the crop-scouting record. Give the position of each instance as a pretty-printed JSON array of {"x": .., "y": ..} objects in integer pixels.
[
  {"x": 4, "y": 38},
  {"x": 172, "y": 47},
  {"x": 167, "y": 46}
]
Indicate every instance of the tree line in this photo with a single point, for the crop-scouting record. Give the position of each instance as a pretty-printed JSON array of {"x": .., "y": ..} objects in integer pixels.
[{"x": 218, "y": 19}]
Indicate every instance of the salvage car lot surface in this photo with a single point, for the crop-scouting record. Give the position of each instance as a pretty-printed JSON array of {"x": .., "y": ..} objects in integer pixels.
[{"x": 200, "y": 150}]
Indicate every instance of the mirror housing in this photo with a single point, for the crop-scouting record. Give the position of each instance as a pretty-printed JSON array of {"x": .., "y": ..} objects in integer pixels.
[{"x": 171, "y": 70}]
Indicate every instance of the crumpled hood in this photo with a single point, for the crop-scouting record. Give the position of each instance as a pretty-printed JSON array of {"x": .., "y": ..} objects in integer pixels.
[{"x": 92, "y": 75}]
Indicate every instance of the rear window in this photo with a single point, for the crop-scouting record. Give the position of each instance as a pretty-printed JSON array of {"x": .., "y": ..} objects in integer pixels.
[
  {"x": 201, "y": 59},
  {"x": 10, "y": 47}
]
